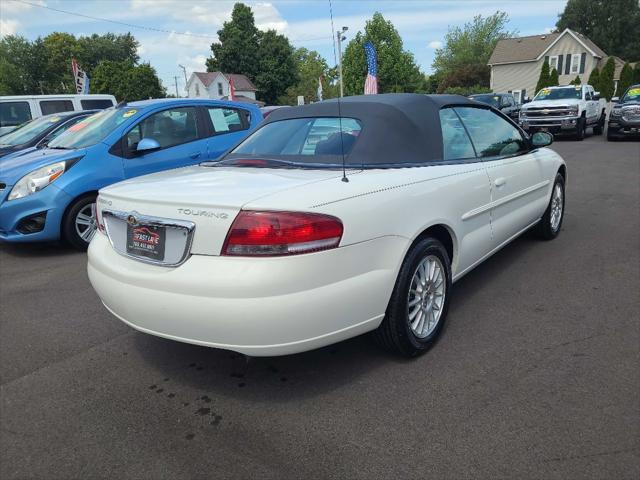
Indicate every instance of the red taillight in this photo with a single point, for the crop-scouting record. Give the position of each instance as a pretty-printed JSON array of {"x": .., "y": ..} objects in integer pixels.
[{"x": 281, "y": 233}]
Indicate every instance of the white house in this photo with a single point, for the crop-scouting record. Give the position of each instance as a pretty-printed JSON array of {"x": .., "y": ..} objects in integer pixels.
[
  {"x": 215, "y": 85},
  {"x": 516, "y": 62}
]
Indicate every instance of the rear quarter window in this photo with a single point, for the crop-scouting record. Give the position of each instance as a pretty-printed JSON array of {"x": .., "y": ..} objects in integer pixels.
[
  {"x": 13, "y": 114},
  {"x": 307, "y": 140},
  {"x": 95, "y": 104},
  {"x": 54, "y": 106}
]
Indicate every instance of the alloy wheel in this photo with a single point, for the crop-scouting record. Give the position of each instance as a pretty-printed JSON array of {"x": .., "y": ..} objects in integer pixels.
[
  {"x": 426, "y": 297},
  {"x": 85, "y": 222},
  {"x": 557, "y": 205}
]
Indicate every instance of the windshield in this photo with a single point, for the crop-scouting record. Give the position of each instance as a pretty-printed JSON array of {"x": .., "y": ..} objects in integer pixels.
[
  {"x": 29, "y": 130},
  {"x": 92, "y": 129},
  {"x": 493, "y": 100},
  {"x": 298, "y": 141},
  {"x": 559, "y": 93},
  {"x": 632, "y": 95}
]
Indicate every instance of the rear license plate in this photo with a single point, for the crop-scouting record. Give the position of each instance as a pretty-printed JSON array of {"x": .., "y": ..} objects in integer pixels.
[{"x": 146, "y": 241}]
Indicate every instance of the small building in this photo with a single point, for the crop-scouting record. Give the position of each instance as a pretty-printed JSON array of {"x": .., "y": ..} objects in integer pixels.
[
  {"x": 215, "y": 85},
  {"x": 516, "y": 62}
]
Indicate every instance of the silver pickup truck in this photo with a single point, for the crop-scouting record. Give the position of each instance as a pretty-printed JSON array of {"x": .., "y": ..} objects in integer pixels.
[{"x": 569, "y": 109}]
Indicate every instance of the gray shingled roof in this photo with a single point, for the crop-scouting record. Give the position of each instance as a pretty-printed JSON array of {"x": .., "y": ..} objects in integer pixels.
[
  {"x": 240, "y": 82},
  {"x": 525, "y": 49}
]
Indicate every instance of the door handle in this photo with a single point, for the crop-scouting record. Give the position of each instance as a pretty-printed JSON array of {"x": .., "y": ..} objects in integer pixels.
[
  {"x": 195, "y": 154},
  {"x": 499, "y": 182}
]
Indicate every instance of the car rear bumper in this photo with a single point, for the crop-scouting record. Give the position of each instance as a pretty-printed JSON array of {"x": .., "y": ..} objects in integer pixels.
[
  {"x": 255, "y": 306},
  {"x": 50, "y": 203}
]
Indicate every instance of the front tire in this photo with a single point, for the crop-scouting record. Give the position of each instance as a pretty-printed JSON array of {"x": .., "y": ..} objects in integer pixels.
[
  {"x": 549, "y": 226},
  {"x": 79, "y": 224},
  {"x": 580, "y": 129},
  {"x": 420, "y": 300}
]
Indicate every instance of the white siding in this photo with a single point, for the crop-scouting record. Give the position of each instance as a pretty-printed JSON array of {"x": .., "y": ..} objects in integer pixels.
[
  {"x": 568, "y": 45},
  {"x": 516, "y": 76}
]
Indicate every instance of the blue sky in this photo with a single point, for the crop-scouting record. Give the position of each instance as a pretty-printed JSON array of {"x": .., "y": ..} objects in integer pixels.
[{"x": 421, "y": 23}]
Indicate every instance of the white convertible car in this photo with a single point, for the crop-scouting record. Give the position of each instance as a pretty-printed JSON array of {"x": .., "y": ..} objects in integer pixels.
[{"x": 275, "y": 249}]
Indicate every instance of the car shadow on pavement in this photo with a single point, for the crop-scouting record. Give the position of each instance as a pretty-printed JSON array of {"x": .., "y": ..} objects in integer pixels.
[
  {"x": 287, "y": 378},
  {"x": 36, "y": 249}
]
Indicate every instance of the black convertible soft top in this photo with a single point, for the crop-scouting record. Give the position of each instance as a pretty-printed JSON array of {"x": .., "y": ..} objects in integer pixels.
[{"x": 397, "y": 128}]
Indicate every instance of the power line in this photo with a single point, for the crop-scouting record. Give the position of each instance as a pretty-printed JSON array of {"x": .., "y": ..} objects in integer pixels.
[
  {"x": 142, "y": 27},
  {"x": 130, "y": 25}
]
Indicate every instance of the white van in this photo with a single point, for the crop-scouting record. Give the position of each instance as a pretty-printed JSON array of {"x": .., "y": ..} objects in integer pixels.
[{"x": 17, "y": 109}]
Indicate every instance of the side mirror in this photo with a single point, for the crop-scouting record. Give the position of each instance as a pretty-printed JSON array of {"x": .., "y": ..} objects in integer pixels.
[
  {"x": 596, "y": 96},
  {"x": 541, "y": 139},
  {"x": 526, "y": 100},
  {"x": 614, "y": 99},
  {"x": 147, "y": 145}
]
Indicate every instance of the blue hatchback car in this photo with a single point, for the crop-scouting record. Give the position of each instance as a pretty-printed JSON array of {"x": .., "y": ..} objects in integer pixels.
[{"x": 50, "y": 193}]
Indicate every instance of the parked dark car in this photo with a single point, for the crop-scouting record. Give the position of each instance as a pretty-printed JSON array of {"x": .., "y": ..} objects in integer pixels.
[
  {"x": 40, "y": 131},
  {"x": 624, "y": 119},
  {"x": 268, "y": 110},
  {"x": 505, "y": 102}
]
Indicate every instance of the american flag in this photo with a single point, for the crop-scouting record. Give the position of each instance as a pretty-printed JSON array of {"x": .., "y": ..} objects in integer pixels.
[{"x": 371, "y": 83}]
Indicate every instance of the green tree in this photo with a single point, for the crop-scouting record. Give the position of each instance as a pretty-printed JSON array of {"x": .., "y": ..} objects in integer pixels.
[
  {"x": 606, "y": 84},
  {"x": 21, "y": 66},
  {"x": 127, "y": 81},
  {"x": 276, "y": 66},
  {"x": 636, "y": 73},
  {"x": 310, "y": 66},
  {"x": 466, "y": 91},
  {"x": 110, "y": 46},
  {"x": 594, "y": 79},
  {"x": 611, "y": 24},
  {"x": 397, "y": 70},
  {"x": 576, "y": 81},
  {"x": 554, "y": 80},
  {"x": 467, "y": 50},
  {"x": 237, "y": 48},
  {"x": 626, "y": 79},
  {"x": 543, "y": 80}
]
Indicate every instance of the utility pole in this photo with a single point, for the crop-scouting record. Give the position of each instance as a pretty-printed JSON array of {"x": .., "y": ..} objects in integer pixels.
[
  {"x": 341, "y": 38},
  {"x": 175, "y": 79},
  {"x": 184, "y": 70}
]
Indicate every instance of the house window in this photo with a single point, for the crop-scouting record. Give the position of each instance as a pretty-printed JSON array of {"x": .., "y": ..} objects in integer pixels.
[
  {"x": 197, "y": 90},
  {"x": 220, "y": 91},
  {"x": 575, "y": 63},
  {"x": 553, "y": 62}
]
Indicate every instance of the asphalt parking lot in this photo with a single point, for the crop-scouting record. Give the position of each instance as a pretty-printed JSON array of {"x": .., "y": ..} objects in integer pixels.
[{"x": 536, "y": 376}]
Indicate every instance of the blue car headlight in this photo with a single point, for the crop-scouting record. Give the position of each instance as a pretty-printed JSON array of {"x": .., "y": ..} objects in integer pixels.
[{"x": 37, "y": 180}]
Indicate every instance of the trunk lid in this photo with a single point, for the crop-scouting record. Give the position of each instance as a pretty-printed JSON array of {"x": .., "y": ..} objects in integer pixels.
[{"x": 208, "y": 197}]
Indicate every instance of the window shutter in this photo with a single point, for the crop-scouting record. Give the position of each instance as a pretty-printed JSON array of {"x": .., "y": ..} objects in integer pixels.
[
  {"x": 560, "y": 64},
  {"x": 583, "y": 60},
  {"x": 546, "y": 59},
  {"x": 567, "y": 68}
]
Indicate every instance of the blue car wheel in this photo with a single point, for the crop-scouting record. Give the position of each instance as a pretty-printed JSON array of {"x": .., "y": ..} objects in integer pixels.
[{"x": 79, "y": 224}]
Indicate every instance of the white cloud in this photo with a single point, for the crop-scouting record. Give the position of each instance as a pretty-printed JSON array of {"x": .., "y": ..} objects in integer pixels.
[
  {"x": 8, "y": 27},
  {"x": 17, "y": 7},
  {"x": 435, "y": 44},
  {"x": 194, "y": 42}
]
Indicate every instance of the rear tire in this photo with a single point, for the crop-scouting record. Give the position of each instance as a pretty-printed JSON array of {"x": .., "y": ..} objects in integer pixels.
[
  {"x": 420, "y": 300},
  {"x": 549, "y": 226},
  {"x": 599, "y": 127},
  {"x": 79, "y": 223}
]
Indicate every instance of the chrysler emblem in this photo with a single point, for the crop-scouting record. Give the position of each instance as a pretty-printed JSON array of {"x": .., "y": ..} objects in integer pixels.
[
  {"x": 546, "y": 111},
  {"x": 131, "y": 220}
]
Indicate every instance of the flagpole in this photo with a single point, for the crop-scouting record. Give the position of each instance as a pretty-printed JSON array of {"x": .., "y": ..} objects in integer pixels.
[{"x": 340, "y": 38}]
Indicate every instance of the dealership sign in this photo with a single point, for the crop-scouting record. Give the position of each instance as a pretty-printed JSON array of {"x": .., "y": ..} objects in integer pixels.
[{"x": 80, "y": 77}]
